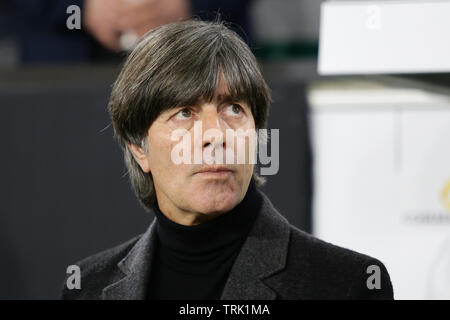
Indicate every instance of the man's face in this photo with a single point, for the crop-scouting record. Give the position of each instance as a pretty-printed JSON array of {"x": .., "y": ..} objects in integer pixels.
[{"x": 184, "y": 193}]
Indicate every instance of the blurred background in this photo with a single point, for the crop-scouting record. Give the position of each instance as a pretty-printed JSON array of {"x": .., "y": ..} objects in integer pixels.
[{"x": 361, "y": 95}]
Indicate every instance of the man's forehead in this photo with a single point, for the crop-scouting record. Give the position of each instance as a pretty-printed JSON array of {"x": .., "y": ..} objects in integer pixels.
[
  {"x": 222, "y": 86},
  {"x": 222, "y": 92}
]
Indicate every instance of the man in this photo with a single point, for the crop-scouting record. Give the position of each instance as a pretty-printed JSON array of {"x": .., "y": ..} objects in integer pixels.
[{"x": 215, "y": 235}]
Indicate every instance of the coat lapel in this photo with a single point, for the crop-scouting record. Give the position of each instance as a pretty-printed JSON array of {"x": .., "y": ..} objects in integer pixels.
[
  {"x": 136, "y": 268},
  {"x": 263, "y": 254}
]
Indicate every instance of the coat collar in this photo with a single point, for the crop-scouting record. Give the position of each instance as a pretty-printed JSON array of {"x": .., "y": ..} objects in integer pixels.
[
  {"x": 136, "y": 267},
  {"x": 262, "y": 255}
]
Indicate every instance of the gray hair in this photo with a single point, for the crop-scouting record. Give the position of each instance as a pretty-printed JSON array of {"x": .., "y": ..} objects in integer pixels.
[{"x": 178, "y": 65}]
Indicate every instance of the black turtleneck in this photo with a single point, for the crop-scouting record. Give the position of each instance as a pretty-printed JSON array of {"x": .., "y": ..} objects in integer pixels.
[{"x": 193, "y": 262}]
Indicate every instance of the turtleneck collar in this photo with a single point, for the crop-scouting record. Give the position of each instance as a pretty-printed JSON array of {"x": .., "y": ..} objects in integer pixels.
[{"x": 214, "y": 235}]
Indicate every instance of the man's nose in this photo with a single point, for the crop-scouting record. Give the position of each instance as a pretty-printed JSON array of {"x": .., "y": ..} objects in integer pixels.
[{"x": 213, "y": 129}]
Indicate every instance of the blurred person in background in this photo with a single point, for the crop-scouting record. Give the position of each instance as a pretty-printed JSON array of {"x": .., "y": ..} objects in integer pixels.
[{"x": 44, "y": 38}]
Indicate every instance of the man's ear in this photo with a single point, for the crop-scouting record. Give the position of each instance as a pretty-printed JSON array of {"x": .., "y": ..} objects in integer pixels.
[{"x": 140, "y": 156}]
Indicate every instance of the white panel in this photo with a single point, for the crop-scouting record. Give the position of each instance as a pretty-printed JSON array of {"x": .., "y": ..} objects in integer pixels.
[
  {"x": 380, "y": 176},
  {"x": 367, "y": 37}
]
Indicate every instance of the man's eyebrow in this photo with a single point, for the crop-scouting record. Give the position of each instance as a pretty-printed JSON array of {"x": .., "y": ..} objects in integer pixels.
[{"x": 220, "y": 98}]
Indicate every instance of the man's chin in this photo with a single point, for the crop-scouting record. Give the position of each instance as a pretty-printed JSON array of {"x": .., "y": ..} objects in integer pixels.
[{"x": 210, "y": 203}]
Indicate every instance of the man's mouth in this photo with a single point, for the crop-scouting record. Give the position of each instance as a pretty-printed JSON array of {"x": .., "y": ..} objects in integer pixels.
[{"x": 215, "y": 171}]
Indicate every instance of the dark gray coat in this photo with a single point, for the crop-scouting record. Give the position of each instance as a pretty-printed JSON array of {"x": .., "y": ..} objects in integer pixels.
[{"x": 277, "y": 261}]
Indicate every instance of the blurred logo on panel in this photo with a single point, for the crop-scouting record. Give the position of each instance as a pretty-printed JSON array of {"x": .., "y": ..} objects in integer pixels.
[
  {"x": 445, "y": 196},
  {"x": 439, "y": 277},
  {"x": 434, "y": 216}
]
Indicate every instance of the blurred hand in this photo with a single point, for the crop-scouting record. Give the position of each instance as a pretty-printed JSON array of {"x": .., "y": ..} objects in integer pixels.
[
  {"x": 143, "y": 15},
  {"x": 100, "y": 19},
  {"x": 106, "y": 20}
]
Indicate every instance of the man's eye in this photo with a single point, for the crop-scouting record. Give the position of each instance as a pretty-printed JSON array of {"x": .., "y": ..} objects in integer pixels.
[
  {"x": 234, "y": 109},
  {"x": 184, "y": 114}
]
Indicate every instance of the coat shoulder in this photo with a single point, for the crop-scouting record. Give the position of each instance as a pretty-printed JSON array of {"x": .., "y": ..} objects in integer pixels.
[
  {"x": 317, "y": 269},
  {"x": 98, "y": 270},
  {"x": 323, "y": 251}
]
